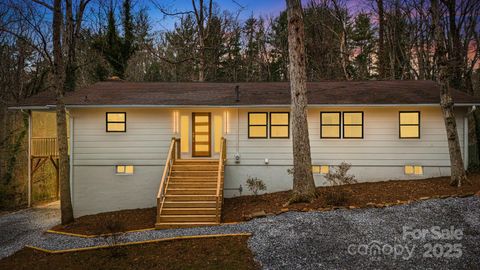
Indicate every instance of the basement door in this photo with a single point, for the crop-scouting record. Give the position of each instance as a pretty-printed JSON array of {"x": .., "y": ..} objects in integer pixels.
[{"x": 201, "y": 135}]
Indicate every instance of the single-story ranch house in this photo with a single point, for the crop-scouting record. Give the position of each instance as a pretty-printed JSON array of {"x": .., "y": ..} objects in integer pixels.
[{"x": 137, "y": 145}]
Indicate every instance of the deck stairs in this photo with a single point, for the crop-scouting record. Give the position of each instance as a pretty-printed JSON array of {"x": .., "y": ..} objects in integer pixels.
[{"x": 191, "y": 193}]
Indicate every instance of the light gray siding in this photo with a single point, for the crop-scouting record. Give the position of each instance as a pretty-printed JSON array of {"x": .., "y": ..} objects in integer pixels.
[{"x": 380, "y": 155}]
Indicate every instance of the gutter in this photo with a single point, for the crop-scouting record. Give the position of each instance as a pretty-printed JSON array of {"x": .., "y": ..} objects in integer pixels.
[{"x": 51, "y": 107}]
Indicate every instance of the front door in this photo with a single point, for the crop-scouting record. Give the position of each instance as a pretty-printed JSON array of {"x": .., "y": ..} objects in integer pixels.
[{"x": 201, "y": 137}]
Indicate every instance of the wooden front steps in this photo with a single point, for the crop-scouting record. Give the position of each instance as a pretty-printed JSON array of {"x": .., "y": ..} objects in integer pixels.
[{"x": 191, "y": 190}]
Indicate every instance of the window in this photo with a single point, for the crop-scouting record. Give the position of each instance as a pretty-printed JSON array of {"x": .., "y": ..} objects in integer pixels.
[
  {"x": 320, "y": 169},
  {"x": 124, "y": 169},
  {"x": 409, "y": 125},
  {"x": 116, "y": 122},
  {"x": 330, "y": 125},
  {"x": 257, "y": 125},
  {"x": 279, "y": 125},
  {"x": 353, "y": 125},
  {"x": 413, "y": 170}
]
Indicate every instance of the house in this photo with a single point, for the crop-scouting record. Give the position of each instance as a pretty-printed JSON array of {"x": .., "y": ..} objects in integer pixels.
[{"x": 137, "y": 145}]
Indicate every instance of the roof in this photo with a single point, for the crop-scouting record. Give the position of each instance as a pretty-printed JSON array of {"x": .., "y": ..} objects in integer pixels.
[{"x": 121, "y": 93}]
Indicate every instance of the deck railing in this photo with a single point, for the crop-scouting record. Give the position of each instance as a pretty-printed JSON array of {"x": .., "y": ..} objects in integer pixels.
[
  {"x": 220, "y": 175},
  {"x": 173, "y": 153},
  {"x": 44, "y": 147}
]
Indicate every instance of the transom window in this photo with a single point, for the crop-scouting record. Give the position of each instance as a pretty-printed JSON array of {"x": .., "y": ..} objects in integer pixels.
[
  {"x": 116, "y": 122},
  {"x": 257, "y": 125},
  {"x": 353, "y": 125},
  {"x": 409, "y": 125},
  {"x": 279, "y": 125},
  {"x": 330, "y": 125}
]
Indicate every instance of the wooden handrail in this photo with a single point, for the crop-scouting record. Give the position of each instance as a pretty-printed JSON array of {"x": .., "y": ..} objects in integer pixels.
[
  {"x": 167, "y": 170},
  {"x": 44, "y": 147},
  {"x": 222, "y": 158}
]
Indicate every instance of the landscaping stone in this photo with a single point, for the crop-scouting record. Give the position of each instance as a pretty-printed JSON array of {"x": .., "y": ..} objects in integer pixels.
[{"x": 258, "y": 214}]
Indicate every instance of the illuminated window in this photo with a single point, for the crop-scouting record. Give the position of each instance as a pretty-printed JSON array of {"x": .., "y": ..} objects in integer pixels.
[
  {"x": 410, "y": 125},
  {"x": 257, "y": 124},
  {"x": 184, "y": 133},
  {"x": 279, "y": 125},
  {"x": 353, "y": 125},
  {"x": 124, "y": 169},
  {"x": 217, "y": 132},
  {"x": 116, "y": 122},
  {"x": 330, "y": 125},
  {"x": 320, "y": 169},
  {"x": 413, "y": 170}
]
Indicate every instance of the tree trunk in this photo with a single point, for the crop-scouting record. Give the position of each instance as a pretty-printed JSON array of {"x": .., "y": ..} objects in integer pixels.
[
  {"x": 58, "y": 72},
  {"x": 381, "y": 40},
  {"x": 458, "y": 174},
  {"x": 303, "y": 183}
]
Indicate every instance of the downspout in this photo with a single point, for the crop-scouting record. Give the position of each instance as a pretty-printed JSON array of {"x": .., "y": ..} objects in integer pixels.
[
  {"x": 29, "y": 170},
  {"x": 465, "y": 141},
  {"x": 71, "y": 157}
]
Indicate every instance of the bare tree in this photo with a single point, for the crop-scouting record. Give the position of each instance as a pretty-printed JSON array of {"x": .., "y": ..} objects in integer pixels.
[
  {"x": 303, "y": 182},
  {"x": 458, "y": 174}
]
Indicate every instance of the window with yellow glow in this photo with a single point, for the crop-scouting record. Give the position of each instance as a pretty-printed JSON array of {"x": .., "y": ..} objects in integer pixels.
[
  {"x": 320, "y": 169},
  {"x": 330, "y": 125},
  {"x": 257, "y": 124},
  {"x": 279, "y": 125},
  {"x": 217, "y": 132},
  {"x": 116, "y": 122},
  {"x": 413, "y": 170},
  {"x": 409, "y": 125},
  {"x": 124, "y": 169},
  {"x": 184, "y": 133},
  {"x": 353, "y": 125}
]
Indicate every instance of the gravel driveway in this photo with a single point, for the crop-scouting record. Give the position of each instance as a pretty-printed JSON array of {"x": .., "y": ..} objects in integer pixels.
[
  {"x": 342, "y": 239},
  {"x": 22, "y": 227}
]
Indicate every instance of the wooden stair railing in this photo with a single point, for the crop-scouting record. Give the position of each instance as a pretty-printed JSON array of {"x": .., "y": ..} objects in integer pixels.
[
  {"x": 220, "y": 179},
  {"x": 173, "y": 153}
]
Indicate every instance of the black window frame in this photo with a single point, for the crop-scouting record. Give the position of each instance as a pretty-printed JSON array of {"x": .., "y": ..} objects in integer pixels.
[
  {"x": 272, "y": 125},
  {"x": 408, "y": 125},
  {"x": 331, "y": 125},
  {"x": 266, "y": 125},
  {"x": 353, "y": 125},
  {"x": 115, "y": 122}
]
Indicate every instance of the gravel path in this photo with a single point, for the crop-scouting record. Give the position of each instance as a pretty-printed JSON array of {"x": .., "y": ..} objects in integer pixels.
[
  {"x": 342, "y": 239},
  {"x": 23, "y": 227}
]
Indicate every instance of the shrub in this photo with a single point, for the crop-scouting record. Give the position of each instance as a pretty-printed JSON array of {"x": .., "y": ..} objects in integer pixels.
[
  {"x": 255, "y": 185},
  {"x": 339, "y": 177},
  {"x": 111, "y": 230}
]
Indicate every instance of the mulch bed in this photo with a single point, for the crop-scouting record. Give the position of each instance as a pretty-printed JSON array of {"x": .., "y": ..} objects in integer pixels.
[
  {"x": 241, "y": 208},
  {"x": 132, "y": 219},
  {"x": 357, "y": 196},
  {"x": 206, "y": 253}
]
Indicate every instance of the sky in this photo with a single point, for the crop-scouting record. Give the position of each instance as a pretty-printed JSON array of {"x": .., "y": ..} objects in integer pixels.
[{"x": 256, "y": 7}]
